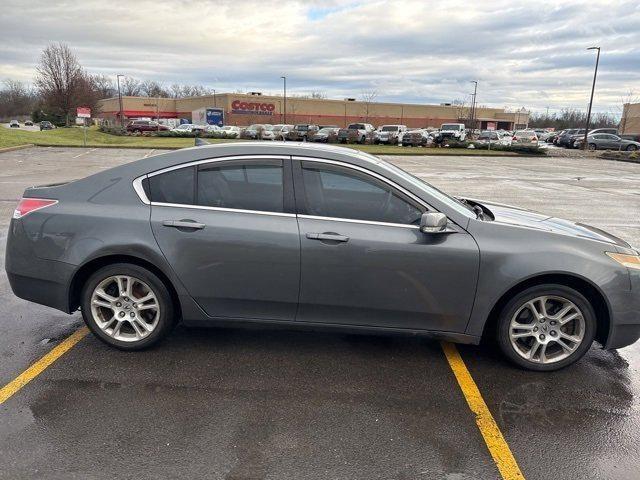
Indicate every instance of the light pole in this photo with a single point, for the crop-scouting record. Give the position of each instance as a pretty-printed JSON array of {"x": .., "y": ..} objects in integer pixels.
[
  {"x": 593, "y": 87},
  {"x": 214, "y": 98},
  {"x": 473, "y": 108},
  {"x": 119, "y": 98},
  {"x": 284, "y": 80}
]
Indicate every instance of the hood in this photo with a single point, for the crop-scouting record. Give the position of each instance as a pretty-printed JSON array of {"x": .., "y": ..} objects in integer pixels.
[{"x": 521, "y": 217}]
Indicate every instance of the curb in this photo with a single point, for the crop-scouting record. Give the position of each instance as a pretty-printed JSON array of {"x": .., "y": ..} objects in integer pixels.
[{"x": 17, "y": 147}]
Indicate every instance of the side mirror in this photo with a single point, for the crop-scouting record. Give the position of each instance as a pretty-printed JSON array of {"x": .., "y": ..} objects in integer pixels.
[{"x": 433, "y": 222}]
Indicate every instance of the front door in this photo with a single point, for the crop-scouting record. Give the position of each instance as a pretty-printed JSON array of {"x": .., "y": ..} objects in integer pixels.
[
  {"x": 230, "y": 234},
  {"x": 365, "y": 262}
]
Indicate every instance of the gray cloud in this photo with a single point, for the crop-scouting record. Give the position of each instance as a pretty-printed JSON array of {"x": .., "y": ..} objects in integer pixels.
[{"x": 523, "y": 54}]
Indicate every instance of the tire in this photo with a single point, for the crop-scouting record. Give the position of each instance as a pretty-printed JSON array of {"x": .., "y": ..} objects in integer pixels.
[
  {"x": 631, "y": 148},
  {"x": 583, "y": 327},
  {"x": 362, "y": 140},
  {"x": 159, "y": 320},
  {"x": 593, "y": 147}
]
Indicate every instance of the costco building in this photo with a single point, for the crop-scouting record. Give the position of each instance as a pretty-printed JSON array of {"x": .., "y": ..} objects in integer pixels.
[{"x": 247, "y": 109}]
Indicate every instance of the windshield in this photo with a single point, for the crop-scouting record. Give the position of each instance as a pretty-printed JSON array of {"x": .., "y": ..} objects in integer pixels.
[
  {"x": 302, "y": 128},
  {"x": 325, "y": 130},
  {"x": 452, "y": 202},
  {"x": 451, "y": 127},
  {"x": 389, "y": 128}
]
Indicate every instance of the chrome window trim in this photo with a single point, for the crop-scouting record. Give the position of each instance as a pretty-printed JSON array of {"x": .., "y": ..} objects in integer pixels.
[
  {"x": 219, "y": 159},
  {"x": 353, "y": 220},
  {"x": 137, "y": 186},
  {"x": 384, "y": 179},
  {"x": 222, "y": 209}
]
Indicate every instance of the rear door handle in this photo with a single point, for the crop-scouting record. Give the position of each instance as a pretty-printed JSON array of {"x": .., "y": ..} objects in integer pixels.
[
  {"x": 183, "y": 224},
  {"x": 332, "y": 237}
]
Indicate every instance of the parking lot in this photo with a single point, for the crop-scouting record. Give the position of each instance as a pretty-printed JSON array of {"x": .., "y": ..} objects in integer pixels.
[{"x": 247, "y": 404}]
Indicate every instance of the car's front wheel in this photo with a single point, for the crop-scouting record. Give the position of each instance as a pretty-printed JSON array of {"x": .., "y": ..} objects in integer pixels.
[
  {"x": 127, "y": 306},
  {"x": 546, "y": 327},
  {"x": 593, "y": 147}
]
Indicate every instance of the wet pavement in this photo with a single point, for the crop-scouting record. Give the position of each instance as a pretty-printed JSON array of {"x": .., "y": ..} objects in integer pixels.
[{"x": 248, "y": 404}]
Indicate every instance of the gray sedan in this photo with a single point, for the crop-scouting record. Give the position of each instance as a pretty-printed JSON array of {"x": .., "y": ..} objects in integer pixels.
[
  {"x": 317, "y": 237},
  {"x": 607, "y": 141}
]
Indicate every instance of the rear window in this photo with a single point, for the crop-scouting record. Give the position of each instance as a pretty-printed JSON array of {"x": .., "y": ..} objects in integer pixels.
[{"x": 175, "y": 186}]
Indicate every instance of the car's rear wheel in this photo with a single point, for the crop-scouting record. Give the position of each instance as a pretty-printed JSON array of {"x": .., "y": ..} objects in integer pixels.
[
  {"x": 546, "y": 327},
  {"x": 631, "y": 148},
  {"x": 127, "y": 306}
]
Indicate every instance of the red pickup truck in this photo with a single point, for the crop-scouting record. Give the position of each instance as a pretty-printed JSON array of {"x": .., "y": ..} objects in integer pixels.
[{"x": 139, "y": 126}]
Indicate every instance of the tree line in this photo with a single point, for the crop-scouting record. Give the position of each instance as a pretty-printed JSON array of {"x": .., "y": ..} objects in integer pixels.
[
  {"x": 571, "y": 118},
  {"x": 61, "y": 85}
]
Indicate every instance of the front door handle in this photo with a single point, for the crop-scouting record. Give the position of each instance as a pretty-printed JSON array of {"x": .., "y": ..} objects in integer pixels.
[
  {"x": 183, "y": 224},
  {"x": 332, "y": 237}
]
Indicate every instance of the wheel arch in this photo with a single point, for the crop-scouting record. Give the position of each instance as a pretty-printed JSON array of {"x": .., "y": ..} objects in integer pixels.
[
  {"x": 84, "y": 272},
  {"x": 591, "y": 292}
]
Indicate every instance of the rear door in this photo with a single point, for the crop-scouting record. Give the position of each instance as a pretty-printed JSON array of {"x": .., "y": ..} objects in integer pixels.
[
  {"x": 364, "y": 260},
  {"x": 228, "y": 229}
]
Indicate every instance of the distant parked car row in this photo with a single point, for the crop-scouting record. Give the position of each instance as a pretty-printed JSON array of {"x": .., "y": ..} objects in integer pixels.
[
  {"x": 597, "y": 139},
  {"x": 44, "y": 125}
]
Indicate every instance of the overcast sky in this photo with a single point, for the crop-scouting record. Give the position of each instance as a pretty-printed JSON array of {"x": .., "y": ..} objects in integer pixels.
[{"x": 530, "y": 54}]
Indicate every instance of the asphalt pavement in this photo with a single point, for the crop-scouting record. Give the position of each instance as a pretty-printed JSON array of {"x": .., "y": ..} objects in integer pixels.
[{"x": 250, "y": 404}]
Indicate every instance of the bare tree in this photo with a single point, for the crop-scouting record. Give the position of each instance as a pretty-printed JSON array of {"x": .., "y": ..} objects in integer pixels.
[
  {"x": 130, "y": 87},
  {"x": 151, "y": 88},
  {"x": 104, "y": 86},
  {"x": 318, "y": 95},
  {"x": 368, "y": 97},
  {"x": 16, "y": 100},
  {"x": 57, "y": 78}
]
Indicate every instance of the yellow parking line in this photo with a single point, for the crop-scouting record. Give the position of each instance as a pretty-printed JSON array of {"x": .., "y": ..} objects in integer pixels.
[
  {"x": 41, "y": 365},
  {"x": 497, "y": 445}
]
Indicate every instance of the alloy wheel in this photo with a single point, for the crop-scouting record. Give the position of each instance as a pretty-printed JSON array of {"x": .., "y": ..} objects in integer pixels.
[
  {"x": 547, "y": 329},
  {"x": 125, "y": 308}
]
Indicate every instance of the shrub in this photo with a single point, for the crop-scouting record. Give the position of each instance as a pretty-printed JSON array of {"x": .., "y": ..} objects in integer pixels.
[{"x": 112, "y": 129}]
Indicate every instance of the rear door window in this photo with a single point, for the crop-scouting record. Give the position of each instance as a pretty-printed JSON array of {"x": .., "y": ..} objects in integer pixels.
[
  {"x": 246, "y": 185},
  {"x": 175, "y": 186}
]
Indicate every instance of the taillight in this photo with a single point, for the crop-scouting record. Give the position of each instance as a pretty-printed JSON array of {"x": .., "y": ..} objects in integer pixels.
[
  {"x": 514, "y": 138},
  {"x": 28, "y": 205}
]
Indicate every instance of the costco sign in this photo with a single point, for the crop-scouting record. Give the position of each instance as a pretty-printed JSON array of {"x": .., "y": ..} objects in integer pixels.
[{"x": 252, "y": 108}]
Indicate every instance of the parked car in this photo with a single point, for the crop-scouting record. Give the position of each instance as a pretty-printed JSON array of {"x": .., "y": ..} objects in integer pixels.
[
  {"x": 326, "y": 135},
  {"x": 189, "y": 128},
  {"x": 46, "y": 125},
  {"x": 141, "y": 126},
  {"x": 389, "y": 134},
  {"x": 14, "y": 124},
  {"x": 214, "y": 236},
  {"x": 267, "y": 132},
  {"x": 213, "y": 129},
  {"x": 280, "y": 131},
  {"x": 455, "y": 131},
  {"x": 607, "y": 141},
  {"x": 28, "y": 123},
  {"x": 301, "y": 132},
  {"x": 568, "y": 136},
  {"x": 524, "y": 138},
  {"x": 231, "y": 131},
  {"x": 553, "y": 138},
  {"x": 418, "y": 137},
  {"x": 252, "y": 132},
  {"x": 356, "y": 133},
  {"x": 492, "y": 137}
]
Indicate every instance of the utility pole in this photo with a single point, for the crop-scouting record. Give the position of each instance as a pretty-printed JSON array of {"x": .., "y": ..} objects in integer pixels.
[
  {"x": 593, "y": 87},
  {"x": 214, "y": 98},
  {"x": 284, "y": 80},
  {"x": 119, "y": 98},
  {"x": 473, "y": 107}
]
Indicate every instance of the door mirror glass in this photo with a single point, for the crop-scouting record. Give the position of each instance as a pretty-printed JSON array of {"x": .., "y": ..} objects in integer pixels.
[{"x": 433, "y": 222}]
